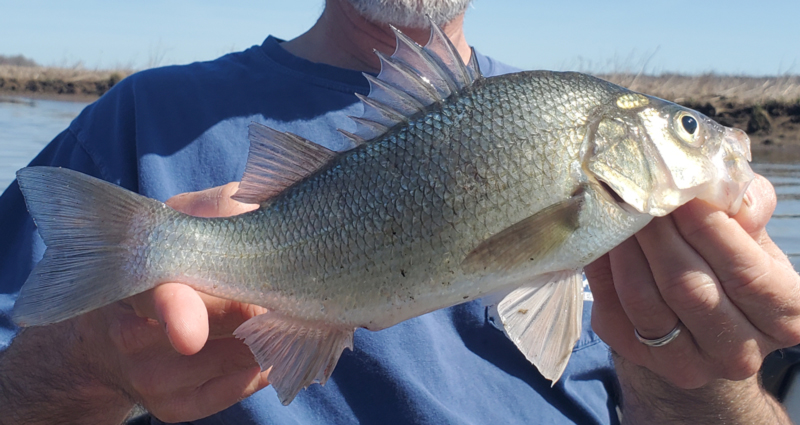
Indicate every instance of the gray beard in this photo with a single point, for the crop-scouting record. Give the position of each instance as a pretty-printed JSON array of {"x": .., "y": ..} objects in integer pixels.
[{"x": 410, "y": 13}]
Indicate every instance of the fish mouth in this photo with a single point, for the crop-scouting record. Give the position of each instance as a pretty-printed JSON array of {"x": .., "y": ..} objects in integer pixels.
[
  {"x": 609, "y": 193},
  {"x": 734, "y": 174},
  {"x": 612, "y": 193}
]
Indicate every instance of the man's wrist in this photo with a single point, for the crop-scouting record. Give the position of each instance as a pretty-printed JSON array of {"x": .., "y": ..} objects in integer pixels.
[
  {"x": 648, "y": 398},
  {"x": 50, "y": 375}
]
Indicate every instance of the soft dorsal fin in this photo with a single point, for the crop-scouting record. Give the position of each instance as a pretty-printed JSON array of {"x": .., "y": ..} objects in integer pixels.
[
  {"x": 276, "y": 161},
  {"x": 413, "y": 78}
]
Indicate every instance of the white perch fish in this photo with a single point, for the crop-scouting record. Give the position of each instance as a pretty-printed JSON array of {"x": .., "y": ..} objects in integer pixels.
[{"x": 458, "y": 186}]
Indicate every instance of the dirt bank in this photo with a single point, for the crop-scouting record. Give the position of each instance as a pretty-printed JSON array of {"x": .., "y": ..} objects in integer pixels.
[
  {"x": 71, "y": 83},
  {"x": 768, "y": 108},
  {"x": 773, "y": 127}
]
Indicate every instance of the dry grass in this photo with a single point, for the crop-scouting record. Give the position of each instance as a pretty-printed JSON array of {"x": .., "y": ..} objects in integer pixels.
[
  {"x": 682, "y": 88},
  {"x": 75, "y": 82},
  {"x": 24, "y": 73}
]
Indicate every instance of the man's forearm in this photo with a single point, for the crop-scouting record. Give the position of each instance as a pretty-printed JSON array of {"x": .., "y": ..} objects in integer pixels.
[
  {"x": 48, "y": 376},
  {"x": 648, "y": 399}
]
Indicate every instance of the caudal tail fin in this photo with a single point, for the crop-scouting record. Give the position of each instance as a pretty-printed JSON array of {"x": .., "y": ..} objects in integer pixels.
[{"x": 89, "y": 227}]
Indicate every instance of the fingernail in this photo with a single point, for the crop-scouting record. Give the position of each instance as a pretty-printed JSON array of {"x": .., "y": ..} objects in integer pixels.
[{"x": 747, "y": 199}]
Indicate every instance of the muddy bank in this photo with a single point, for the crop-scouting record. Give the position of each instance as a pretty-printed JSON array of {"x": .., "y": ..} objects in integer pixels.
[
  {"x": 773, "y": 127},
  {"x": 53, "y": 88},
  {"x": 57, "y": 83},
  {"x": 767, "y": 108}
]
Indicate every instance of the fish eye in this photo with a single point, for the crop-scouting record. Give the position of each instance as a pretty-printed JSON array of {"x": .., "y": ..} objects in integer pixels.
[
  {"x": 687, "y": 128},
  {"x": 689, "y": 124}
]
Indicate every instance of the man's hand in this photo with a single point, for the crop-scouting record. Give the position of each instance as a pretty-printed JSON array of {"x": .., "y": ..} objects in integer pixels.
[
  {"x": 730, "y": 287},
  {"x": 170, "y": 349}
]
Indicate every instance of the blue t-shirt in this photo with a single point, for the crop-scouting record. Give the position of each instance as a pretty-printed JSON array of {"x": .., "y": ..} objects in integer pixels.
[{"x": 184, "y": 128}]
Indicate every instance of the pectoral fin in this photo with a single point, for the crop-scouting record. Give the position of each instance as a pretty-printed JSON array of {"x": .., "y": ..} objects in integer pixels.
[
  {"x": 528, "y": 240},
  {"x": 299, "y": 352},
  {"x": 543, "y": 319}
]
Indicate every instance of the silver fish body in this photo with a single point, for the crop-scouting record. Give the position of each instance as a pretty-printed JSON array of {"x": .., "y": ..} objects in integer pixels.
[
  {"x": 510, "y": 183},
  {"x": 379, "y": 236}
]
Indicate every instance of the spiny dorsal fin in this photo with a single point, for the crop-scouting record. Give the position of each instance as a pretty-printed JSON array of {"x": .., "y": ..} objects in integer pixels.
[
  {"x": 473, "y": 68},
  {"x": 442, "y": 50},
  {"x": 276, "y": 161},
  {"x": 357, "y": 141},
  {"x": 413, "y": 78},
  {"x": 406, "y": 78},
  {"x": 419, "y": 59}
]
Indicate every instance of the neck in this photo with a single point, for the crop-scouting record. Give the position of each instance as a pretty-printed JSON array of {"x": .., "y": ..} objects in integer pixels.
[{"x": 341, "y": 37}]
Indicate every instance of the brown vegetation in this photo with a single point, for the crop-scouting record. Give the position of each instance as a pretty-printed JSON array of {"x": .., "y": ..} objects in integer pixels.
[
  {"x": 768, "y": 108},
  {"x": 47, "y": 81},
  {"x": 753, "y": 90}
]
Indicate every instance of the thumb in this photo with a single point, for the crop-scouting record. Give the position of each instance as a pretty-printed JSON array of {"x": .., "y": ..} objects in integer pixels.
[
  {"x": 183, "y": 314},
  {"x": 757, "y": 207},
  {"x": 179, "y": 310}
]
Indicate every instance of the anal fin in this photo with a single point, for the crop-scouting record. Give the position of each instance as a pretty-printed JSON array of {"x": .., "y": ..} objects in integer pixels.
[
  {"x": 543, "y": 319},
  {"x": 299, "y": 352}
]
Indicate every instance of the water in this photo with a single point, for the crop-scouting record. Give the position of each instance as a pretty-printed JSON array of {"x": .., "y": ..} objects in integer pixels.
[
  {"x": 26, "y": 126},
  {"x": 784, "y": 227}
]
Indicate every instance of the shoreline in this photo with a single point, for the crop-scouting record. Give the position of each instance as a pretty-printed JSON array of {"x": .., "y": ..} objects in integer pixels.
[
  {"x": 766, "y": 108},
  {"x": 13, "y": 97},
  {"x": 65, "y": 83}
]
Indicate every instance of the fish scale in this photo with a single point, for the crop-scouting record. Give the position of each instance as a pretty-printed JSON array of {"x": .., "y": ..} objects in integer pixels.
[
  {"x": 305, "y": 217},
  {"x": 509, "y": 185}
]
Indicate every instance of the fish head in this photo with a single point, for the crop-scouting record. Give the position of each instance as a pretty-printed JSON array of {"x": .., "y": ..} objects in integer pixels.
[{"x": 656, "y": 155}]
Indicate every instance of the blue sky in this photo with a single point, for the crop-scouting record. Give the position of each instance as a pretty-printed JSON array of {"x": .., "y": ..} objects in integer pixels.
[{"x": 690, "y": 37}]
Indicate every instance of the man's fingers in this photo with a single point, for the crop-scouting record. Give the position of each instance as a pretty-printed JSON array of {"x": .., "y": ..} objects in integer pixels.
[
  {"x": 627, "y": 298},
  {"x": 689, "y": 287},
  {"x": 183, "y": 387},
  {"x": 211, "y": 397},
  {"x": 238, "y": 386},
  {"x": 609, "y": 320},
  {"x": 183, "y": 314},
  {"x": 721, "y": 276},
  {"x": 758, "y": 205},
  {"x": 200, "y": 376},
  {"x": 225, "y": 315},
  {"x": 638, "y": 293},
  {"x": 179, "y": 310},
  {"x": 765, "y": 289},
  {"x": 176, "y": 372},
  {"x": 214, "y": 202}
]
